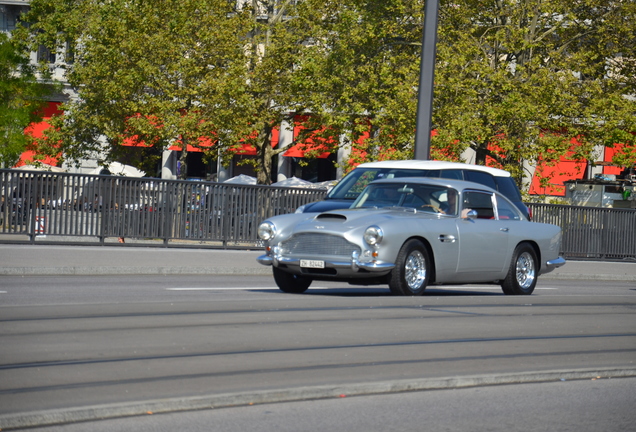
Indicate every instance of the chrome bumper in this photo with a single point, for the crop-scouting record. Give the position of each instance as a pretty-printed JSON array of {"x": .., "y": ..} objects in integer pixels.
[
  {"x": 553, "y": 264},
  {"x": 354, "y": 264}
]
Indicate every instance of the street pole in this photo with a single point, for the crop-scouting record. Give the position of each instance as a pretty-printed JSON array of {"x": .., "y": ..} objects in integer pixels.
[{"x": 427, "y": 72}]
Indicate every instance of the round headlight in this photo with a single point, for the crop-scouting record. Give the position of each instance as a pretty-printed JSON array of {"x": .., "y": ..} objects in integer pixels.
[
  {"x": 373, "y": 235},
  {"x": 266, "y": 231}
]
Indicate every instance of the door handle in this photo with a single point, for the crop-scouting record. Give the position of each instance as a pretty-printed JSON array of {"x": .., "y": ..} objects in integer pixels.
[{"x": 504, "y": 229}]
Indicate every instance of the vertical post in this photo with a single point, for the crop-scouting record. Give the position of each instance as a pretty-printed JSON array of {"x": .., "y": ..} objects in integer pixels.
[{"x": 425, "y": 92}]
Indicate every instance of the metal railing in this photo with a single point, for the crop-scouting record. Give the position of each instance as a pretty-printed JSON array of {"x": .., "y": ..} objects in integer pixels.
[
  {"x": 44, "y": 207},
  {"x": 76, "y": 208},
  {"x": 590, "y": 232}
]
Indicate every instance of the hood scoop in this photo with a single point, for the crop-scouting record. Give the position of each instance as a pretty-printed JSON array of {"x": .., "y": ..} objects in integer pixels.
[{"x": 332, "y": 217}]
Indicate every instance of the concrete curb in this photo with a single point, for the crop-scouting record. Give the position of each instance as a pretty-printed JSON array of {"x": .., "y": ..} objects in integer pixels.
[
  {"x": 109, "y": 411},
  {"x": 113, "y": 271},
  {"x": 594, "y": 277},
  {"x": 43, "y": 260}
]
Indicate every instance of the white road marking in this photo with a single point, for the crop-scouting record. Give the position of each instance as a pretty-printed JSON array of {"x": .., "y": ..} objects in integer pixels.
[
  {"x": 3, "y": 292},
  {"x": 231, "y": 288},
  {"x": 442, "y": 287},
  {"x": 468, "y": 287}
]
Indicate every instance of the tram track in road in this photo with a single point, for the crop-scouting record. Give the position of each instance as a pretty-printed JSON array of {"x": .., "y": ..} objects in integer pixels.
[
  {"x": 288, "y": 369},
  {"x": 415, "y": 304},
  {"x": 291, "y": 350},
  {"x": 138, "y": 343}
]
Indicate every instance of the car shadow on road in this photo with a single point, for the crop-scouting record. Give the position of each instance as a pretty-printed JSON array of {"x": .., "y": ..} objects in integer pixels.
[{"x": 384, "y": 292}]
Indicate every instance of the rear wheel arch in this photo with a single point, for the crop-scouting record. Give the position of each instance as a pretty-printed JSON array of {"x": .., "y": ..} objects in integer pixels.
[
  {"x": 537, "y": 251},
  {"x": 523, "y": 270}
]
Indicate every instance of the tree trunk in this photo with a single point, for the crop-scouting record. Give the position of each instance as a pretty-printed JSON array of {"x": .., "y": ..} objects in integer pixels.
[
  {"x": 264, "y": 169},
  {"x": 183, "y": 169},
  {"x": 265, "y": 156}
]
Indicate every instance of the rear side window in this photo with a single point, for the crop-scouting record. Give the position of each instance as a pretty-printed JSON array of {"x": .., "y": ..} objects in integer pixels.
[
  {"x": 452, "y": 174},
  {"x": 481, "y": 178},
  {"x": 508, "y": 187},
  {"x": 506, "y": 210}
]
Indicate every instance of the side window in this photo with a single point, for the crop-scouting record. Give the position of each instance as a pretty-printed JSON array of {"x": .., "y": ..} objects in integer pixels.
[
  {"x": 411, "y": 173},
  {"x": 481, "y": 178},
  {"x": 481, "y": 202},
  {"x": 453, "y": 174},
  {"x": 506, "y": 210}
]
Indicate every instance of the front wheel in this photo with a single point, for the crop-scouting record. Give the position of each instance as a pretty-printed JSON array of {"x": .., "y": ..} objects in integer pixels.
[
  {"x": 291, "y": 283},
  {"x": 412, "y": 270},
  {"x": 522, "y": 274}
]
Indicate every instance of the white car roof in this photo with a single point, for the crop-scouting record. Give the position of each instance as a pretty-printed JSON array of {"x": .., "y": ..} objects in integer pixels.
[
  {"x": 434, "y": 165},
  {"x": 459, "y": 185}
]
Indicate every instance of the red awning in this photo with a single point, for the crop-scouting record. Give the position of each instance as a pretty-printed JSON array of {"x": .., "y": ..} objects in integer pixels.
[
  {"x": 557, "y": 175},
  {"x": 36, "y": 130},
  {"x": 204, "y": 142},
  {"x": 607, "y": 157},
  {"x": 299, "y": 150},
  {"x": 310, "y": 144},
  {"x": 241, "y": 149},
  {"x": 249, "y": 150},
  {"x": 134, "y": 141}
]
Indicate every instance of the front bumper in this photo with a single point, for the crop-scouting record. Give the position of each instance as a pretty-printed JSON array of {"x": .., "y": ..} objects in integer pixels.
[{"x": 353, "y": 264}]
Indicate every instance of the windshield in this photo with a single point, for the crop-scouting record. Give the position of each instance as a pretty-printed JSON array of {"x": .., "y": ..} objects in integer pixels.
[
  {"x": 434, "y": 199},
  {"x": 354, "y": 182}
]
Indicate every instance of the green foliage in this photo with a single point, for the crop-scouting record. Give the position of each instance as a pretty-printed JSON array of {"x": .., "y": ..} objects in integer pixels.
[
  {"x": 172, "y": 72},
  {"x": 21, "y": 99},
  {"x": 529, "y": 80},
  {"x": 364, "y": 74},
  {"x": 516, "y": 81}
]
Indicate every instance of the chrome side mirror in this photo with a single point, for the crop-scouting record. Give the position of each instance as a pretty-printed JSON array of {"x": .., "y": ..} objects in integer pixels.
[{"x": 469, "y": 214}]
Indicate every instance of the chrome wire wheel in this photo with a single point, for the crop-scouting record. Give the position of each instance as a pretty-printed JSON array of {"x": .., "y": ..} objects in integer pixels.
[
  {"x": 415, "y": 270},
  {"x": 525, "y": 270}
]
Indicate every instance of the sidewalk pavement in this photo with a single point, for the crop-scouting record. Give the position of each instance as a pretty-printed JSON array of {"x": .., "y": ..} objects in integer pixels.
[{"x": 47, "y": 260}]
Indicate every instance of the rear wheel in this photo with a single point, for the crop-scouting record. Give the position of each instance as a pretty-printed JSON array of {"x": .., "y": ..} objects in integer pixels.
[
  {"x": 412, "y": 270},
  {"x": 291, "y": 283},
  {"x": 522, "y": 274}
]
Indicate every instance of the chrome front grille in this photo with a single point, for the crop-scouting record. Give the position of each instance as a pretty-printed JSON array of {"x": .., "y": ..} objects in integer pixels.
[{"x": 313, "y": 245}]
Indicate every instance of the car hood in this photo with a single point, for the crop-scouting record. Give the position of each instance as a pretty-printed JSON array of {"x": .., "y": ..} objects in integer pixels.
[
  {"x": 350, "y": 223},
  {"x": 345, "y": 220}
]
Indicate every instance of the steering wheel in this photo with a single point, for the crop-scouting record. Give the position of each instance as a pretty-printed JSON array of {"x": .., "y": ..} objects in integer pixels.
[{"x": 435, "y": 208}]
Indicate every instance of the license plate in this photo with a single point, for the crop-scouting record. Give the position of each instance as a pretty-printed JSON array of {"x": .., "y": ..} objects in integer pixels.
[{"x": 312, "y": 263}]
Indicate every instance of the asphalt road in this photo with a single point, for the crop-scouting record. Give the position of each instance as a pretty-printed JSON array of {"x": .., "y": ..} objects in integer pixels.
[
  {"x": 599, "y": 405},
  {"x": 84, "y": 347}
]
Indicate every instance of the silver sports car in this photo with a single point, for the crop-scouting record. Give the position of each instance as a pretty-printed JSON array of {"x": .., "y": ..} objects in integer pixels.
[{"x": 410, "y": 233}]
